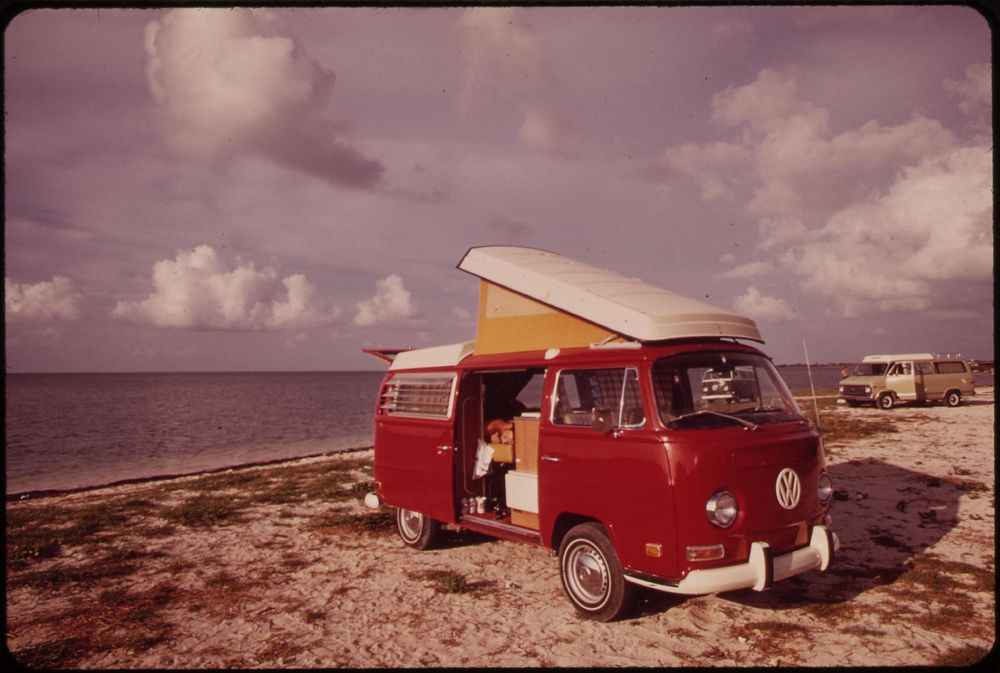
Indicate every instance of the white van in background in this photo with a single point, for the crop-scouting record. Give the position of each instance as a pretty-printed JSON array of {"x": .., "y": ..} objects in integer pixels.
[{"x": 885, "y": 380}]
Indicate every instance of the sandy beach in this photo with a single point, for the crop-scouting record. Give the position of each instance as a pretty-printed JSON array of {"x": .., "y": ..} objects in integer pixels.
[{"x": 282, "y": 566}]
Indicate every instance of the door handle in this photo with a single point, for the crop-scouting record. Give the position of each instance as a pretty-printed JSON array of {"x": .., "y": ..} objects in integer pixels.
[
  {"x": 551, "y": 459},
  {"x": 442, "y": 448}
]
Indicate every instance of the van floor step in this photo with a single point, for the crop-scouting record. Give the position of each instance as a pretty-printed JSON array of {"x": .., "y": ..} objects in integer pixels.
[{"x": 486, "y": 524}]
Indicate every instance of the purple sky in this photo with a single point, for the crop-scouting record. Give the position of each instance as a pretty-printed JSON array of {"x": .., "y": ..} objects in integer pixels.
[{"x": 274, "y": 190}]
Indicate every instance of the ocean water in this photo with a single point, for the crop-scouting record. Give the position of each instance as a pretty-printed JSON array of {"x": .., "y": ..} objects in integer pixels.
[
  {"x": 797, "y": 376},
  {"x": 74, "y": 430},
  {"x": 69, "y": 431}
]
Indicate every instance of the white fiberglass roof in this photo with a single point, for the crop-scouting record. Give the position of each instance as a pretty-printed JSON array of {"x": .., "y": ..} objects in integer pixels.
[
  {"x": 624, "y": 305},
  {"x": 436, "y": 356},
  {"x": 899, "y": 356}
]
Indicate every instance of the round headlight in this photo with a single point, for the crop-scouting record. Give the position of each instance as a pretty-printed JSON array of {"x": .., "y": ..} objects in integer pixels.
[
  {"x": 824, "y": 488},
  {"x": 721, "y": 509}
]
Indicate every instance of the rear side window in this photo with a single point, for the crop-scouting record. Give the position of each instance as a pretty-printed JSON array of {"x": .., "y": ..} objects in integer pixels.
[
  {"x": 614, "y": 392},
  {"x": 418, "y": 395},
  {"x": 950, "y": 367}
]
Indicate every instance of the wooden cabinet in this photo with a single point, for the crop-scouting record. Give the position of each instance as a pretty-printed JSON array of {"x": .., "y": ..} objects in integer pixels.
[
  {"x": 526, "y": 445},
  {"x": 524, "y": 519}
]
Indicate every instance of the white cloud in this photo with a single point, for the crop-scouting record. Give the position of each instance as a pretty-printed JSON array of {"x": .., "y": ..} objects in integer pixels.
[
  {"x": 764, "y": 104},
  {"x": 502, "y": 55},
  {"x": 748, "y": 270},
  {"x": 892, "y": 253},
  {"x": 198, "y": 291},
  {"x": 875, "y": 218},
  {"x": 390, "y": 304},
  {"x": 507, "y": 82},
  {"x": 789, "y": 159},
  {"x": 52, "y": 300},
  {"x": 975, "y": 91},
  {"x": 763, "y": 307},
  {"x": 463, "y": 315},
  {"x": 228, "y": 80},
  {"x": 719, "y": 167},
  {"x": 545, "y": 130}
]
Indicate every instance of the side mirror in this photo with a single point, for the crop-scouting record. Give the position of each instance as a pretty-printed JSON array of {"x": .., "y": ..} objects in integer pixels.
[{"x": 600, "y": 420}]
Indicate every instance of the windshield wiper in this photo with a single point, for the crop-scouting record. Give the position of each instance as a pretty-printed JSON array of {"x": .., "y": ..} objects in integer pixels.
[{"x": 692, "y": 414}]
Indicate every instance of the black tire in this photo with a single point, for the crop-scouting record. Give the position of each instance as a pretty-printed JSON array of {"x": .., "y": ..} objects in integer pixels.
[
  {"x": 886, "y": 401},
  {"x": 417, "y": 530},
  {"x": 852, "y": 404},
  {"x": 592, "y": 575},
  {"x": 952, "y": 398}
]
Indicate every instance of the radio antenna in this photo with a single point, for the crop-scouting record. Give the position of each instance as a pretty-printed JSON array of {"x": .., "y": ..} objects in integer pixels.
[{"x": 802, "y": 333}]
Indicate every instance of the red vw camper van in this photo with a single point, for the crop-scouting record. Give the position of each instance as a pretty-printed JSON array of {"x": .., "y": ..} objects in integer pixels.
[{"x": 578, "y": 420}]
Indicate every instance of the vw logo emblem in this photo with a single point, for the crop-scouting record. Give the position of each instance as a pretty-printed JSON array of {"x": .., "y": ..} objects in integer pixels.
[{"x": 788, "y": 488}]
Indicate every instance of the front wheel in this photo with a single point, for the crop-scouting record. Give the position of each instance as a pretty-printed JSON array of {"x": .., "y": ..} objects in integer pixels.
[
  {"x": 953, "y": 398},
  {"x": 592, "y": 574},
  {"x": 886, "y": 401},
  {"x": 417, "y": 530}
]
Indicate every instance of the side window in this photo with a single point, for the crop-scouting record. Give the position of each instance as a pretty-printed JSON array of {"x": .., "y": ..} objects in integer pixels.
[
  {"x": 950, "y": 367},
  {"x": 511, "y": 393},
  {"x": 900, "y": 369},
  {"x": 531, "y": 395},
  {"x": 418, "y": 395},
  {"x": 615, "y": 391},
  {"x": 924, "y": 367}
]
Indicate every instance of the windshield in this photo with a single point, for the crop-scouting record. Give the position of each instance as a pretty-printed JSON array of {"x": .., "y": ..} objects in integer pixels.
[
  {"x": 721, "y": 388},
  {"x": 870, "y": 369}
]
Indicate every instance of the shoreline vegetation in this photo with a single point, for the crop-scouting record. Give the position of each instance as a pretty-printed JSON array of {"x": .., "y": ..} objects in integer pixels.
[
  {"x": 280, "y": 565},
  {"x": 48, "y": 492}
]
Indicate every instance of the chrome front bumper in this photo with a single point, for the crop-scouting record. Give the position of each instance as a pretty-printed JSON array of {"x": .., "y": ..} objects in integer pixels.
[{"x": 760, "y": 571}]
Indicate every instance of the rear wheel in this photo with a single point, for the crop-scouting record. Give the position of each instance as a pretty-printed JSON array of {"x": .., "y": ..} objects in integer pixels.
[
  {"x": 886, "y": 401},
  {"x": 953, "y": 398},
  {"x": 417, "y": 530},
  {"x": 592, "y": 574}
]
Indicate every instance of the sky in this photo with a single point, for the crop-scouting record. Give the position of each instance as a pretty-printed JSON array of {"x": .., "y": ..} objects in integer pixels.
[{"x": 246, "y": 190}]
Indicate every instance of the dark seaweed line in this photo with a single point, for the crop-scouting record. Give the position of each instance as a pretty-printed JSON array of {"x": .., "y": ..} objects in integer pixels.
[{"x": 45, "y": 493}]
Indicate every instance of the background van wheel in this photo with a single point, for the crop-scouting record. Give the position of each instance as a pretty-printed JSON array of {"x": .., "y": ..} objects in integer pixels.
[
  {"x": 953, "y": 398},
  {"x": 418, "y": 531},
  {"x": 592, "y": 574},
  {"x": 886, "y": 401}
]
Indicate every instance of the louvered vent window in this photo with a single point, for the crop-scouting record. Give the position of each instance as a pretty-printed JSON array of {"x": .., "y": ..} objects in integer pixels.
[{"x": 421, "y": 395}]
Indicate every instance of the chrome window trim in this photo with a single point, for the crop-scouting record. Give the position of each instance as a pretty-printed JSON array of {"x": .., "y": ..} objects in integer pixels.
[
  {"x": 403, "y": 378},
  {"x": 554, "y": 403}
]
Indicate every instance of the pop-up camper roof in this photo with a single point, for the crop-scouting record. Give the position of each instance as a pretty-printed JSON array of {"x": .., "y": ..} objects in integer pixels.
[{"x": 532, "y": 298}]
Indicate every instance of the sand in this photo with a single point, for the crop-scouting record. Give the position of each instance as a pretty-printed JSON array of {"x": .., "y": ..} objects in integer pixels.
[{"x": 912, "y": 585}]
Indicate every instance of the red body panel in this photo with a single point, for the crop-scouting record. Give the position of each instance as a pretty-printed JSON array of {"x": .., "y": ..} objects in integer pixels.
[
  {"x": 745, "y": 462},
  {"x": 647, "y": 486},
  {"x": 411, "y": 469}
]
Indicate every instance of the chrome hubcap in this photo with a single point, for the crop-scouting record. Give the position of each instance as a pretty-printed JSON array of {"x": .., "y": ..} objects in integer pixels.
[
  {"x": 409, "y": 523},
  {"x": 588, "y": 574}
]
